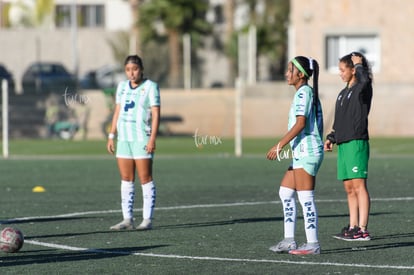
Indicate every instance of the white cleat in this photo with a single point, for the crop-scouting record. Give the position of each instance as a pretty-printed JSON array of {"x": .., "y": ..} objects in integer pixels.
[
  {"x": 124, "y": 225},
  {"x": 283, "y": 246},
  {"x": 146, "y": 224},
  {"x": 307, "y": 249}
]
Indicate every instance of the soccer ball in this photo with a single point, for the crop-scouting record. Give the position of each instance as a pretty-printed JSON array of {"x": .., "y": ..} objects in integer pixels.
[{"x": 11, "y": 240}]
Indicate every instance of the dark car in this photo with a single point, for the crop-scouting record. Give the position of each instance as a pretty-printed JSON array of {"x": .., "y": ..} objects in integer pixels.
[
  {"x": 6, "y": 74},
  {"x": 47, "y": 77}
]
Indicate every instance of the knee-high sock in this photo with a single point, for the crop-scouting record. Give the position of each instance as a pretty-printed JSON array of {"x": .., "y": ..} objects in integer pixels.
[
  {"x": 148, "y": 203},
  {"x": 127, "y": 199},
  {"x": 310, "y": 215},
  {"x": 287, "y": 196}
]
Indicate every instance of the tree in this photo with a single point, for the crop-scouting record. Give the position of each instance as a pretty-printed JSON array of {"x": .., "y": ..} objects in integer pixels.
[
  {"x": 135, "y": 43},
  {"x": 271, "y": 28},
  {"x": 272, "y": 35},
  {"x": 229, "y": 7},
  {"x": 172, "y": 19},
  {"x": 33, "y": 14},
  {"x": 43, "y": 12}
]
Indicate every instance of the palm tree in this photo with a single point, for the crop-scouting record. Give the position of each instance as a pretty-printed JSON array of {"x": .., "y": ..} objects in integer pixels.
[
  {"x": 172, "y": 19},
  {"x": 43, "y": 12},
  {"x": 271, "y": 32},
  {"x": 36, "y": 15},
  {"x": 271, "y": 28},
  {"x": 229, "y": 8},
  {"x": 272, "y": 35},
  {"x": 135, "y": 43}
]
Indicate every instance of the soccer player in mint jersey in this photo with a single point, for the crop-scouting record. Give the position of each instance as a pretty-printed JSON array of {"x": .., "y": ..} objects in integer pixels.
[
  {"x": 135, "y": 124},
  {"x": 350, "y": 133},
  {"x": 305, "y": 129}
]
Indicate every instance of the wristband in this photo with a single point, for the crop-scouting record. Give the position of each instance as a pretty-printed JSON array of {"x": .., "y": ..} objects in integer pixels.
[
  {"x": 111, "y": 135},
  {"x": 331, "y": 137}
]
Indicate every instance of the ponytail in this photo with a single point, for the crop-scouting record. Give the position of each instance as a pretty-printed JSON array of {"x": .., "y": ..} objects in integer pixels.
[
  {"x": 315, "y": 82},
  {"x": 310, "y": 68}
]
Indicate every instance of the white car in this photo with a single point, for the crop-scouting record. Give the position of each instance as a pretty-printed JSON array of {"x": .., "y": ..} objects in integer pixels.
[
  {"x": 106, "y": 77},
  {"x": 109, "y": 76}
]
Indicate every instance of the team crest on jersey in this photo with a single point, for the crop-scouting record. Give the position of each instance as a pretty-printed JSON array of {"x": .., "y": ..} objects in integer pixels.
[{"x": 129, "y": 105}]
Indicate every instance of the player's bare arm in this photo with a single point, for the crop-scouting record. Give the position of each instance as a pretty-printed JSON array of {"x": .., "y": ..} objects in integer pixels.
[{"x": 291, "y": 134}]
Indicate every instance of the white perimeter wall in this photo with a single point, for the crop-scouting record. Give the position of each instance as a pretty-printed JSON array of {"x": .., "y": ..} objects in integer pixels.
[{"x": 265, "y": 110}]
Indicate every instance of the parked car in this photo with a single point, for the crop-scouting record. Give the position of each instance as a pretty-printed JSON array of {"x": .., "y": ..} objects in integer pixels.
[
  {"x": 109, "y": 76},
  {"x": 104, "y": 77},
  {"x": 6, "y": 74},
  {"x": 47, "y": 77},
  {"x": 88, "y": 81}
]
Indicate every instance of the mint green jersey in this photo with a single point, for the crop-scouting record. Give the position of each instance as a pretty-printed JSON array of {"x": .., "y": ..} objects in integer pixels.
[
  {"x": 309, "y": 141},
  {"x": 134, "y": 121}
]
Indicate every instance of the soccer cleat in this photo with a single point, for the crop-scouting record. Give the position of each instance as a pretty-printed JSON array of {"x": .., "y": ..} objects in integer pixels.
[
  {"x": 353, "y": 234},
  {"x": 283, "y": 246},
  {"x": 146, "y": 224},
  {"x": 346, "y": 233},
  {"x": 307, "y": 249},
  {"x": 360, "y": 236},
  {"x": 124, "y": 225}
]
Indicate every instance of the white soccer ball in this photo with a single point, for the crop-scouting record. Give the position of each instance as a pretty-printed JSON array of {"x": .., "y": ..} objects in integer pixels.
[{"x": 11, "y": 240}]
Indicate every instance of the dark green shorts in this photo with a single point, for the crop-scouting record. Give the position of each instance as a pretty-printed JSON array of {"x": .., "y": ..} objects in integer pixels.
[{"x": 353, "y": 159}]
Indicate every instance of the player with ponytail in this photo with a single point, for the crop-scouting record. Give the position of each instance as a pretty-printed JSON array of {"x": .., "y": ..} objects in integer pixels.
[
  {"x": 305, "y": 128},
  {"x": 350, "y": 134}
]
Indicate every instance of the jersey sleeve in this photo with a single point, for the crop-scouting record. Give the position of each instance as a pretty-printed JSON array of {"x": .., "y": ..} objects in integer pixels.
[
  {"x": 362, "y": 74},
  {"x": 303, "y": 101},
  {"x": 119, "y": 92},
  {"x": 154, "y": 95}
]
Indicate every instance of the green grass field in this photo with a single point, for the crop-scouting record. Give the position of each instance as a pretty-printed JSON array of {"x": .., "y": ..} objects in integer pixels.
[{"x": 215, "y": 214}]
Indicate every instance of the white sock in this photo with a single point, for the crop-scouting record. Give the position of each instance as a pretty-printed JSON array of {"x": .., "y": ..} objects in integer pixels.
[
  {"x": 148, "y": 203},
  {"x": 310, "y": 215},
  {"x": 127, "y": 199},
  {"x": 287, "y": 196}
]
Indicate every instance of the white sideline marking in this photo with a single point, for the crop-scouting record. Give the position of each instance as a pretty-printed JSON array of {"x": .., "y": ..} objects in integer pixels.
[
  {"x": 76, "y": 214},
  {"x": 172, "y": 256}
]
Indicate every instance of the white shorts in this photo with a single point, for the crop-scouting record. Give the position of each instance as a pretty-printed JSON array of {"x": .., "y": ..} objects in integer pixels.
[
  {"x": 132, "y": 150},
  {"x": 310, "y": 164}
]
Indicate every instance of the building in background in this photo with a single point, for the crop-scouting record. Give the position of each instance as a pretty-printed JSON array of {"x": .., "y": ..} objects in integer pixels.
[
  {"x": 380, "y": 29},
  {"x": 103, "y": 14},
  {"x": 101, "y": 26},
  {"x": 323, "y": 29}
]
